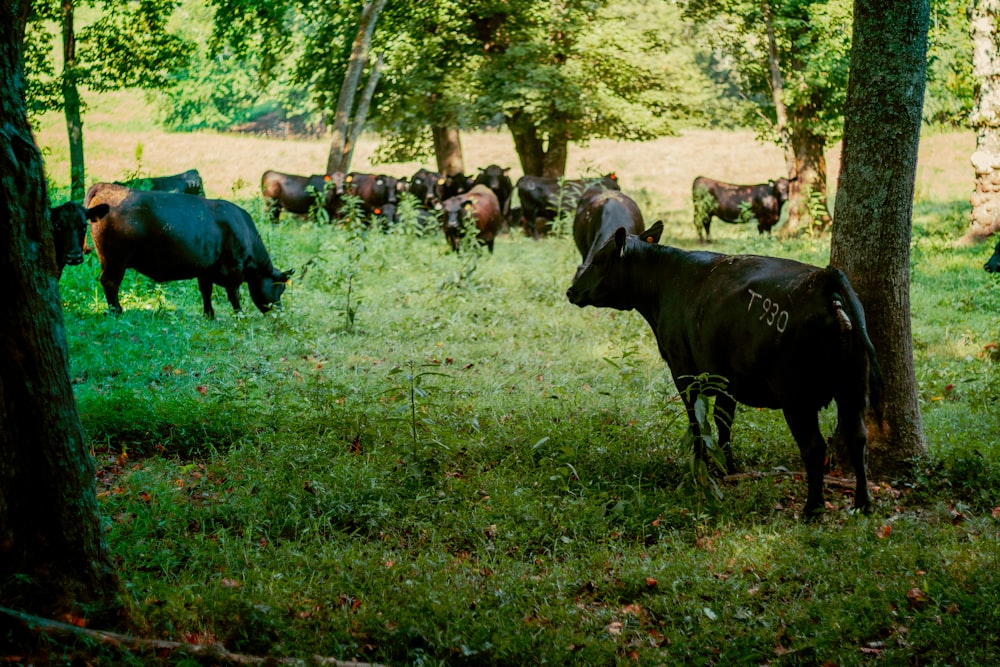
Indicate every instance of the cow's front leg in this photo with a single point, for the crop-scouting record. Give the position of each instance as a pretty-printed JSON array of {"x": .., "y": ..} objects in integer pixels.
[
  {"x": 233, "y": 294},
  {"x": 205, "y": 285},
  {"x": 804, "y": 424}
]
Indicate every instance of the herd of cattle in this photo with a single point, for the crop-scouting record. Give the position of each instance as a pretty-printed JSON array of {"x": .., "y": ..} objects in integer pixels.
[{"x": 782, "y": 334}]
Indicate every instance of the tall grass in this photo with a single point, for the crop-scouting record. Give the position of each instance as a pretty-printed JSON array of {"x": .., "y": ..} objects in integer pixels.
[{"x": 473, "y": 471}]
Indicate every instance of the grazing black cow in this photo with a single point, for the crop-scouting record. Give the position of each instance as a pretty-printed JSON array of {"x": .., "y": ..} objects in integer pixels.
[
  {"x": 168, "y": 236},
  {"x": 992, "y": 265},
  {"x": 188, "y": 183},
  {"x": 299, "y": 194},
  {"x": 735, "y": 203},
  {"x": 425, "y": 185},
  {"x": 496, "y": 179},
  {"x": 544, "y": 198},
  {"x": 480, "y": 206},
  {"x": 782, "y": 334},
  {"x": 599, "y": 214},
  {"x": 69, "y": 231}
]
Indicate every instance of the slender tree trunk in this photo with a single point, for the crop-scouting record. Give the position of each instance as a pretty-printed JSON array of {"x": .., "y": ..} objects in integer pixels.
[
  {"x": 985, "y": 119},
  {"x": 448, "y": 150},
  {"x": 53, "y": 558},
  {"x": 71, "y": 105},
  {"x": 778, "y": 91},
  {"x": 871, "y": 235},
  {"x": 361, "y": 117},
  {"x": 352, "y": 78}
]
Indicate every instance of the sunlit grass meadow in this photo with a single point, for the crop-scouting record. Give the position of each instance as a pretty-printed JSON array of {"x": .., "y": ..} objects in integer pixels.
[{"x": 430, "y": 458}]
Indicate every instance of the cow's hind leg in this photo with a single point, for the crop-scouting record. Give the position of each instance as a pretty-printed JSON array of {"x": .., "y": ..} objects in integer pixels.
[
  {"x": 804, "y": 424},
  {"x": 205, "y": 286},
  {"x": 725, "y": 409},
  {"x": 111, "y": 280},
  {"x": 851, "y": 427}
]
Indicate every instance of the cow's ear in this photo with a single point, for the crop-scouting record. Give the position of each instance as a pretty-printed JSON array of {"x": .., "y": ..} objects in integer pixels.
[
  {"x": 97, "y": 212},
  {"x": 653, "y": 234},
  {"x": 621, "y": 236}
]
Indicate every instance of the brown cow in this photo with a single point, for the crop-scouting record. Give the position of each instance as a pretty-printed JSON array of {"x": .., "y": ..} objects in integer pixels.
[
  {"x": 299, "y": 194},
  {"x": 737, "y": 203},
  {"x": 480, "y": 206},
  {"x": 598, "y": 215}
]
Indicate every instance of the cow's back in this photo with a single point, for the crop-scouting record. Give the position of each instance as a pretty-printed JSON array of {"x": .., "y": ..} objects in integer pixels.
[{"x": 165, "y": 236}]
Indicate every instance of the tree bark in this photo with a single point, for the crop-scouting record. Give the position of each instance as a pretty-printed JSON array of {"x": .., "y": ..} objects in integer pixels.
[
  {"x": 985, "y": 119},
  {"x": 71, "y": 105},
  {"x": 53, "y": 558},
  {"x": 448, "y": 150},
  {"x": 361, "y": 117},
  {"x": 538, "y": 155},
  {"x": 808, "y": 207},
  {"x": 871, "y": 235},
  {"x": 348, "y": 91}
]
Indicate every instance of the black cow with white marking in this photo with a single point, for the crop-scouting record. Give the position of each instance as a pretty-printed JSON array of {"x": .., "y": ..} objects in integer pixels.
[{"x": 778, "y": 333}]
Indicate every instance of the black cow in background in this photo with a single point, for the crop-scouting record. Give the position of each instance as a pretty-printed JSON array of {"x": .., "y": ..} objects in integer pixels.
[
  {"x": 188, "y": 182},
  {"x": 168, "y": 236},
  {"x": 299, "y": 194},
  {"x": 496, "y": 179},
  {"x": 543, "y": 198},
  {"x": 778, "y": 333},
  {"x": 69, "y": 231},
  {"x": 733, "y": 203},
  {"x": 600, "y": 213},
  {"x": 426, "y": 186},
  {"x": 455, "y": 184},
  {"x": 992, "y": 265}
]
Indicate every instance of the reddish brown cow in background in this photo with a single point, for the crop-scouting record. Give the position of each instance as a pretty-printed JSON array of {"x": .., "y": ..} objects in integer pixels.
[
  {"x": 599, "y": 214},
  {"x": 298, "y": 194},
  {"x": 480, "y": 206},
  {"x": 733, "y": 203}
]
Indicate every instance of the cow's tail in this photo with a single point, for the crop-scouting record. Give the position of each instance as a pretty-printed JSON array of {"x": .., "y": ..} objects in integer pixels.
[{"x": 850, "y": 316}]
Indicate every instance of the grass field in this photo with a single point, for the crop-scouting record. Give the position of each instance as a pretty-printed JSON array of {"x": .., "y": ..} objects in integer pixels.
[{"x": 428, "y": 458}]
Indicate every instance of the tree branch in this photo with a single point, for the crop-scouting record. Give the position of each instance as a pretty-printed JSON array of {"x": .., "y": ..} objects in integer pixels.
[{"x": 215, "y": 651}]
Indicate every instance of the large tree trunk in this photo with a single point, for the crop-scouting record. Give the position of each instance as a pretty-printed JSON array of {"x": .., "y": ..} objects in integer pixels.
[
  {"x": 448, "y": 150},
  {"x": 71, "y": 105},
  {"x": 807, "y": 203},
  {"x": 53, "y": 558},
  {"x": 538, "y": 156},
  {"x": 985, "y": 119},
  {"x": 345, "y": 102},
  {"x": 871, "y": 235}
]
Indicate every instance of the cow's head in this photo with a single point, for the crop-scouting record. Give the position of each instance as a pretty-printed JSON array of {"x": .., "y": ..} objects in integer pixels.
[
  {"x": 992, "y": 265},
  {"x": 781, "y": 190},
  {"x": 267, "y": 290},
  {"x": 69, "y": 231},
  {"x": 599, "y": 283}
]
